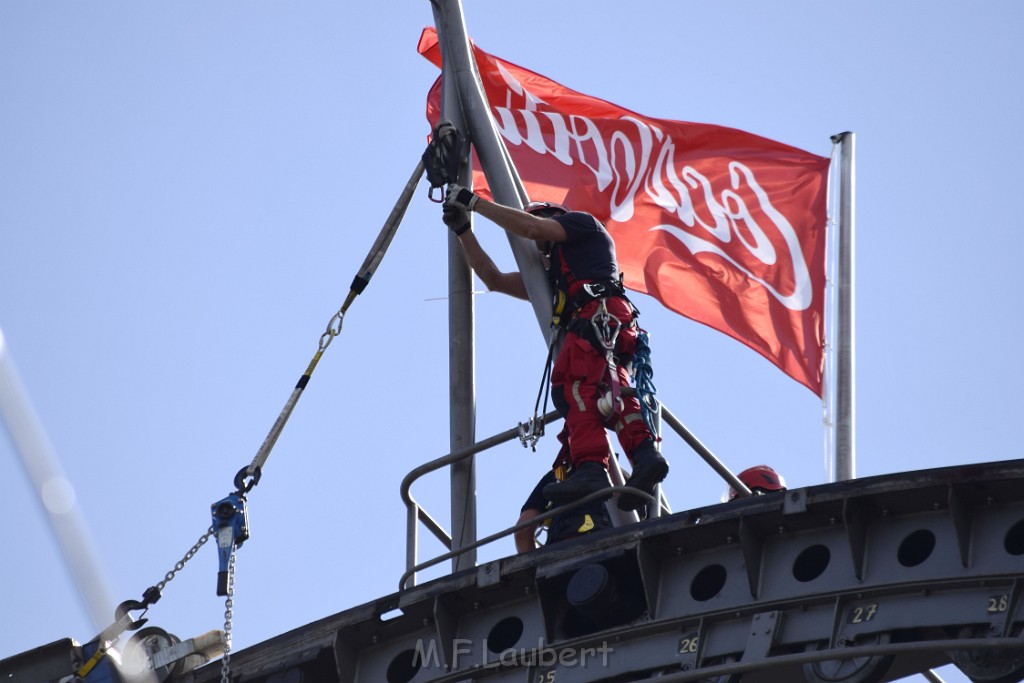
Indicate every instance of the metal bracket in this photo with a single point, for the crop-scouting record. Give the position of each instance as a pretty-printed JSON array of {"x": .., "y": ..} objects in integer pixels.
[
  {"x": 795, "y": 502},
  {"x": 531, "y": 431},
  {"x": 762, "y": 635},
  {"x": 488, "y": 574}
]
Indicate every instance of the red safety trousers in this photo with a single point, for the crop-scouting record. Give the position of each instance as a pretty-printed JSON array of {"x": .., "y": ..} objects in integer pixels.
[{"x": 581, "y": 371}]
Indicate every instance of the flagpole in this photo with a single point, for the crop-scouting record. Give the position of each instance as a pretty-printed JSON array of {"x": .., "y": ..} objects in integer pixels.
[
  {"x": 465, "y": 105},
  {"x": 495, "y": 162},
  {"x": 461, "y": 356},
  {"x": 845, "y": 442}
]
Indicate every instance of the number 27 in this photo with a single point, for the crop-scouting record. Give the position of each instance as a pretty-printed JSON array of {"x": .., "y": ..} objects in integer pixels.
[{"x": 865, "y": 613}]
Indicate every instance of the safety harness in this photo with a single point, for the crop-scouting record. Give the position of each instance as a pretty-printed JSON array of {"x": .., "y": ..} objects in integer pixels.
[
  {"x": 601, "y": 329},
  {"x": 571, "y": 294}
]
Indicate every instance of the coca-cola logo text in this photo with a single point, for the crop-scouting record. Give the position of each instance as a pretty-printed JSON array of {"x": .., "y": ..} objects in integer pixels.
[{"x": 634, "y": 165}]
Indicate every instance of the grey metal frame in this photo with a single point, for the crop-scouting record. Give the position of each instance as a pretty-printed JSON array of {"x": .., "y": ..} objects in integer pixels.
[{"x": 923, "y": 567}]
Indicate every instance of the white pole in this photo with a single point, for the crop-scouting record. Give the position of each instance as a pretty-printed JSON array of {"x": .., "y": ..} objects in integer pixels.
[
  {"x": 54, "y": 492},
  {"x": 845, "y": 442}
]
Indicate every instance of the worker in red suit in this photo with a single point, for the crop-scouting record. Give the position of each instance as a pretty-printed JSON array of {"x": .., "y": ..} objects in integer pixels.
[{"x": 600, "y": 333}]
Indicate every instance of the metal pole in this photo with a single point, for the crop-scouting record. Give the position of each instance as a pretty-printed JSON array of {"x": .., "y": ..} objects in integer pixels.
[
  {"x": 703, "y": 452},
  {"x": 465, "y": 105},
  {"x": 845, "y": 445},
  {"x": 494, "y": 160},
  {"x": 461, "y": 353},
  {"x": 462, "y": 402},
  {"x": 618, "y": 517},
  {"x": 53, "y": 490}
]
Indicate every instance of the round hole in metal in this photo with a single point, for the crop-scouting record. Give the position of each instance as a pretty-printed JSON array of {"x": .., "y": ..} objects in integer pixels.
[
  {"x": 916, "y": 548},
  {"x": 404, "y": 667},
  {"x": 505, "y": 634},
  {"x": 708, "y": 583},
  {"x": 811, "y": 563},
  {"x": 1014, "y": 540}
]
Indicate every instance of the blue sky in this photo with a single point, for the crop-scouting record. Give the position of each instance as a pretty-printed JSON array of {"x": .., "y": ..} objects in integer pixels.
[{"x": 187, "y": 189}]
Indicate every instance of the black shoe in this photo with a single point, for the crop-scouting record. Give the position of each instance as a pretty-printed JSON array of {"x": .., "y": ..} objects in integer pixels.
[
  {"x": 649, "y": 469},
  {"x": 590, "y": 477}
]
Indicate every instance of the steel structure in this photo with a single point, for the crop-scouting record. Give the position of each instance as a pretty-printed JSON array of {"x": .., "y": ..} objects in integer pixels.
[{"x": 857, "y": 581}]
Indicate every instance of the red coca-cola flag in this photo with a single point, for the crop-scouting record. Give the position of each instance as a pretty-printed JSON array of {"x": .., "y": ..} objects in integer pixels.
[{"x": 721, "y": 226}]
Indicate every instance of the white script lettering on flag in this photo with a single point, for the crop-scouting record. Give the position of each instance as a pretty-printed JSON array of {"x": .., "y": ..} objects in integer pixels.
[{"x": 640, "y": 155}]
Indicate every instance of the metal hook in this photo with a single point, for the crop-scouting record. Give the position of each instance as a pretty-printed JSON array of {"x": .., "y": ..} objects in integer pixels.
[{"x": 240, "y": 483}]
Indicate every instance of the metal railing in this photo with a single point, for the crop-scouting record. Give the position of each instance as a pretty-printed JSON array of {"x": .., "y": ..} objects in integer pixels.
[{"x": 416, "y": 514}]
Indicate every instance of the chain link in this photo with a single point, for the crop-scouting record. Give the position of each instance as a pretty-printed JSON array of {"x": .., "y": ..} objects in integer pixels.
[
  {"x": 225, "y": 670},
  {"x": 333, "y": 330},
  {"x": 188, "y": 556},
  {"x": 229, "y": 603}
]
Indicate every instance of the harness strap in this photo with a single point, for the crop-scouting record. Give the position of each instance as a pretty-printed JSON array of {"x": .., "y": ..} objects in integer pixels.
[
  {"x": 566, "y": 308},
  {"x": 606, "y": 331}
]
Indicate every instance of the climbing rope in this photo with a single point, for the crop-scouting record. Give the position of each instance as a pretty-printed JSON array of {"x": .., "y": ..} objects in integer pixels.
[
  {"x": 532, "y": 430},
  {"x": 643, "y": 382}
]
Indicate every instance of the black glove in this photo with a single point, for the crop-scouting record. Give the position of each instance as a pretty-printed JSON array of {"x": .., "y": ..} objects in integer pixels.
[
  {"x": 457, "y": 220},
  {"x": 459, "y": 197}
]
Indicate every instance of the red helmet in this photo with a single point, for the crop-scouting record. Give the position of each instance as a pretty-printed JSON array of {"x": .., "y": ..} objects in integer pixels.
[
  {"x": 759, "y": 479},
  {"x": 545, "y": 209}
]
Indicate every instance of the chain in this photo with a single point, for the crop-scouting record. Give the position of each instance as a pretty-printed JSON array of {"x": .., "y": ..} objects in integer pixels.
[
  {"x": 181, "y": 563},
  {"x": 229, "y": 603}
]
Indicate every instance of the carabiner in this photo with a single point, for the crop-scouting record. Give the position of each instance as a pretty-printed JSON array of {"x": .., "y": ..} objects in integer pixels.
[
  {"x": 606, "y": 327},
  {"x": 531, "y": 431}
]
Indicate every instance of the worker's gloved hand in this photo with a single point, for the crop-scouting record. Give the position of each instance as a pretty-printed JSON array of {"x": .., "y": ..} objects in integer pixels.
[
  {"x": 459, "y": 197},
  {"x": 457, "y": 220}
]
